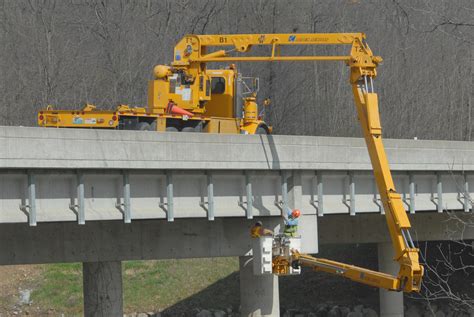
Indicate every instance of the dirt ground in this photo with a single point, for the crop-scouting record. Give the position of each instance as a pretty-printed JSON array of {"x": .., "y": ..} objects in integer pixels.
[{"x": 13, "y": 279}]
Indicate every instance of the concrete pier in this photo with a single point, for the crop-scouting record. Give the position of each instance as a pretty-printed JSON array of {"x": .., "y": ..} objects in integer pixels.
[
  {"x": 259, "y": 295},
  {"x": 102, "y": 289},
  {"x": 391, "y": 303}
]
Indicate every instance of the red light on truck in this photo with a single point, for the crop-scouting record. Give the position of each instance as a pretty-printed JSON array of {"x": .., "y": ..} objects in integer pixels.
[
  {"x": 41, "y": 117},
  {"x": 114, "y": 118}
]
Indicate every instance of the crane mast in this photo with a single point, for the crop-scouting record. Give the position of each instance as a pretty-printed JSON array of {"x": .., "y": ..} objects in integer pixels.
[{"x": 192, "y": 53}]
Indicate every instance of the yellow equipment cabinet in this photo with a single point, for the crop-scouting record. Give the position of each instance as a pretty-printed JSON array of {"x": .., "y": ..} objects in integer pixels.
[{"x": 187, "y": 96}]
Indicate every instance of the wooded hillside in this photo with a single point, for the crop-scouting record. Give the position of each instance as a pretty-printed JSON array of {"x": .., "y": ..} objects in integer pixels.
[{"x": 70, "y": 52}]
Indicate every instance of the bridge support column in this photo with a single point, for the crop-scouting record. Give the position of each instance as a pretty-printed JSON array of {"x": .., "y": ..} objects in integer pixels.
[
  {"x": 259, "y": 294},
  {"x": 391, "y": 303},
  {"x": 102, "y": 288}
]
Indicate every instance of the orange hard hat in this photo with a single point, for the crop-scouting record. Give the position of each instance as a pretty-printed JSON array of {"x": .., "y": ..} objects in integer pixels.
[{"x": 295, "y": 213}]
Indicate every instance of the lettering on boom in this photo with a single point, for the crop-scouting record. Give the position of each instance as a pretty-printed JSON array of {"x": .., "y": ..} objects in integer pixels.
[{"x": 313, "y": 39}]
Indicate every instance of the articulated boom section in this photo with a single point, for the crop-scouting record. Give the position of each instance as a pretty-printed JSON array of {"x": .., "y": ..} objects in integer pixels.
[
  {"x": 194, "y": 48},
  {"x": 411, "y": 272},
  {"x": 362, "y": 74},
  {"x": 357, "y": 274}
]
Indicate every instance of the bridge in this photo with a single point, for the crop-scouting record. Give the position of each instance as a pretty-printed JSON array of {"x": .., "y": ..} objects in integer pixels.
[{"x": 101, "y": 197}]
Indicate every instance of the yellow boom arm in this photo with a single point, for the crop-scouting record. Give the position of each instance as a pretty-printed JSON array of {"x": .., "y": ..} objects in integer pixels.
[{"x": 192, "y": 52}]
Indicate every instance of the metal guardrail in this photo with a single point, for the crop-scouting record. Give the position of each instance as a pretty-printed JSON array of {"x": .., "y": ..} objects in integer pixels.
[{"x": 70, "y": 195}]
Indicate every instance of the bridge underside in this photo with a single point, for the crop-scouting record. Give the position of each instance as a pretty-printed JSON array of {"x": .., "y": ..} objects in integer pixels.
[{"x": 191, "y": 238}]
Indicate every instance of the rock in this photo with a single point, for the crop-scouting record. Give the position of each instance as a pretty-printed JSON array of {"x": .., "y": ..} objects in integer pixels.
[
  {"x": 369, "y": 312},
  {"x": 413, "y": 311},
  {"x": 286, "y": 314},
  {"x": 358, "y": 308},
  {"x": 344, "y": 311},
  {"x": 292, "y": 312},
  {"x": 142, "y": 315},
  {"x": 229, "y": 310},
  {"x": 299, "y": 315},
  {"x": 219, "y": 313},
  {"x": 25, "y": 297},
  {"x": 428, "y": 313},
  {"x": 204, "y": 313},
  {"x": 311, "y": 314},
  {"x": 322, "y": 311},
  {"x": 440, "y": 313},
  {"x": 354, "y": 314},
  {"x": 334, "y": 312}
]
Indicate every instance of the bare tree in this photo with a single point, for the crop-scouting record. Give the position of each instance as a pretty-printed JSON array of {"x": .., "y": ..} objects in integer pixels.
[{"x": 449, "y": 268}]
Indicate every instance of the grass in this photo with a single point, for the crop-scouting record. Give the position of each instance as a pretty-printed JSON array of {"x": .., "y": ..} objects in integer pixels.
[
  {"x": 161, "y": 284},
  {"x": 148, "y": 285},
  {"x": 60, "y": 288}
]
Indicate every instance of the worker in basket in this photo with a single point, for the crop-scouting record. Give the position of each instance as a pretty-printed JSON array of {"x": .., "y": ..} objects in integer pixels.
[
  {"x": 291, "y": 222},
  {"x": 258, "y": 230}
]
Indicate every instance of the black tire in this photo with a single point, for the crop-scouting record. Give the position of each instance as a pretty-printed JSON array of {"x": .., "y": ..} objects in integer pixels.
[
  {"x": 261, "y": 130},
  {"x": 188, "y": 129},
  {"x": 172, "y": 129},
  {"x": 295, "y": 265},
  {"x": 199, "y": 127},
  {"x": 143, "y": 126}
]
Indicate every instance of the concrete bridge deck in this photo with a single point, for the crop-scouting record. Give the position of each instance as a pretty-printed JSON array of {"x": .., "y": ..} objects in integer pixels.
[
  {"x": 85, "y": 175},
  {"x": 51, "y": 148}
]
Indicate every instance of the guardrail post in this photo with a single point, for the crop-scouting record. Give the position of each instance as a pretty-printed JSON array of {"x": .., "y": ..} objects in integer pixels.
[
  {"x": 32, "y": 198},
  {"x": 411, "y": 184},
  {"x": 168, "y": 206},
  {"x": 249, "y": 196},
  {"x": 169, "y": 196},
  {"x": 438, "y": 201},
  {"x": 210, "y": 197},
  {"x": 284, "y": 191},
  {"x": 125, "y": 207},
  {"x": 467, "y": 202},
  {"x": 78, "y": 208},
  {"x": 352, "y": 210},
  {"x": 126, "y": 197},
  {"x": 30, "y": 208},
  {"x": 317, "y": 182},
  {"x": 376, "y": 198}
]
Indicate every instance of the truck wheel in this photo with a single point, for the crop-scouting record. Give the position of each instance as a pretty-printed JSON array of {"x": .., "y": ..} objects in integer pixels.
[
  {"x": 199, "y": 127},
  {"x": 188, "y": 129},
  {"x": 261, "y": 130},
  {"x": 143, "y": 126},
  {"x": 172, "y": 129}
]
